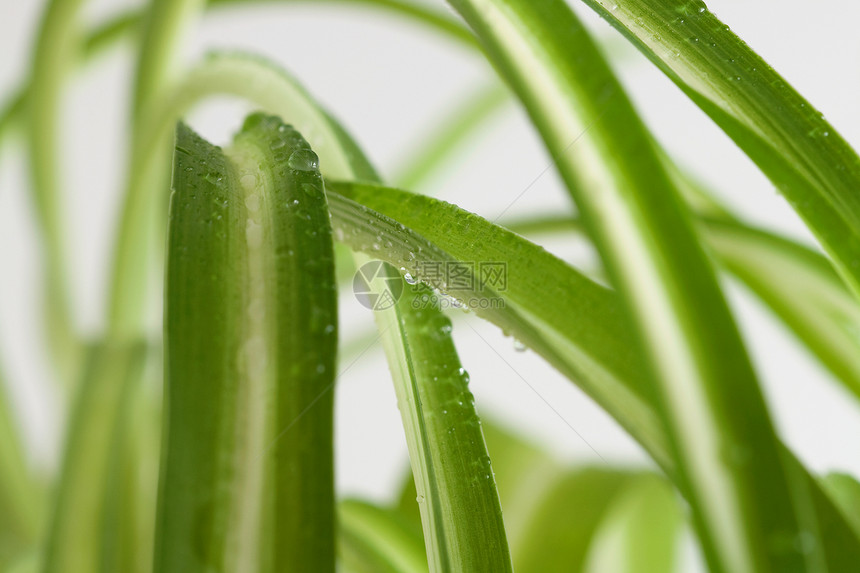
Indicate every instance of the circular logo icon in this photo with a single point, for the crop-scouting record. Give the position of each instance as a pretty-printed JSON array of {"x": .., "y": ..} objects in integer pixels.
[{"x": 377, "y": 285}]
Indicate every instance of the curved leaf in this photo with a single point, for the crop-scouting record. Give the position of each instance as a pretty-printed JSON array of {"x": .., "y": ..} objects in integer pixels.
[
  {"x": 802, "y": 154},
  {"x": 373, "y": 539},
  {"x": 640, "y": 532},
  {"x": 709, "y": 397},
  {"x": 538, "y": 282}
]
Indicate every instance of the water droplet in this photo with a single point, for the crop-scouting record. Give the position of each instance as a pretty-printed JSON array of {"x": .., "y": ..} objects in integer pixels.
[
  {"x": 519, "y": 346},
  {"x": 692, "y": 7},
  {"x": 303, "y": 160},
  {"x": 410, "y": 279},
  {"x": 252, "y": 202},
  {"x": 253, "y": 234},
  {"x": 248, "y": 181}
]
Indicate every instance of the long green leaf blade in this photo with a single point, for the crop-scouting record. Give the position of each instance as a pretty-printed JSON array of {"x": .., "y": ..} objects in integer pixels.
[
  {"x": 537, "y": 304},
  {"x": 801, "y": 287},
  {"x": 56, "y": 44},
  {"x": 21, "y": 497},
  {"x": 271, "y": 89},
  {"x": 797, "y": 283},
  {"x": 802, "y": 154},
  {"x": 80, "y": 537},
  {"x": 709, "y": 397},
  {"x": 247, "y": 481}
]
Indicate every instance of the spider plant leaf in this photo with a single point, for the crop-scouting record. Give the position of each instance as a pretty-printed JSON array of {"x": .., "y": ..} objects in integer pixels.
[
  {"x": 599, "y": 355},
  {"x": 801, "y": 287},
  {"x": 563, "y": 522},
  {"x": 708, "y": 395},
  {"x": 548, "y": 305},
  {"x": 845, "y": 490},
  {"x": 373, "y": 539},
  {"x": 247, "y": 478},
  {"x": 444, "y": 142},
  {"x": 85, "y": 534},
  {"x": 449, "y": 537},
  {"x": 162, "y": 29},
  {"x": 56, "y": 45},
  {"x": 640, "y": 532},
  {"x": 20, "y": 497},
  {"x": 803, "y": 155},
  {"x": 798, "y": 284},
  {"x": 453, "y": 473}
]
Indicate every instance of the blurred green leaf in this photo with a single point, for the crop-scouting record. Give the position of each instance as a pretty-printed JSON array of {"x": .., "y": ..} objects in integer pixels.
[
  {"x": 90, "y": 529},
  {"x": 640, "y": 532},
  {"x": 373, "y": 539},
  {"x": 845, "y": 490}
]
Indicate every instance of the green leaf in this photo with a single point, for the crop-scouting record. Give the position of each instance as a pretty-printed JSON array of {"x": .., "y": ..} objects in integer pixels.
[
  {"x": 274, "y": 91},
  {"x": 247, "y": 480},
  {"x": 801, "y": 287},
  {"x": 372, "y": 539},
  {"x": 563, "y": 522},
  {"x": 162, "y": 30},
  {"x": 444, "y": 142},
  {"x": 640, "y": 532},
  {"x": 85, "y": 531},
  {"x": 798, "y": 284},
  {"x": 539, "y": 310},
  {"x": 743, "y": 505},
  {"x": 802, "y": 154},
  {"x": 845, "y": 491},
  {"x": 21, "y": 498},
  {"x": 599, "y": 354},
  {"x": 56, "y": 45},
  {"x": 453, "y": 473}
]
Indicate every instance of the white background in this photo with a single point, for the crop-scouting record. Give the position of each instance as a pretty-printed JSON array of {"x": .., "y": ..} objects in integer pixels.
[{"x": 390, "y": 82}]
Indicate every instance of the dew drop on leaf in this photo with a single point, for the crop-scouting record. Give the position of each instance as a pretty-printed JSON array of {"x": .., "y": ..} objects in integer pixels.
[{"x": 303, "y": 160}]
